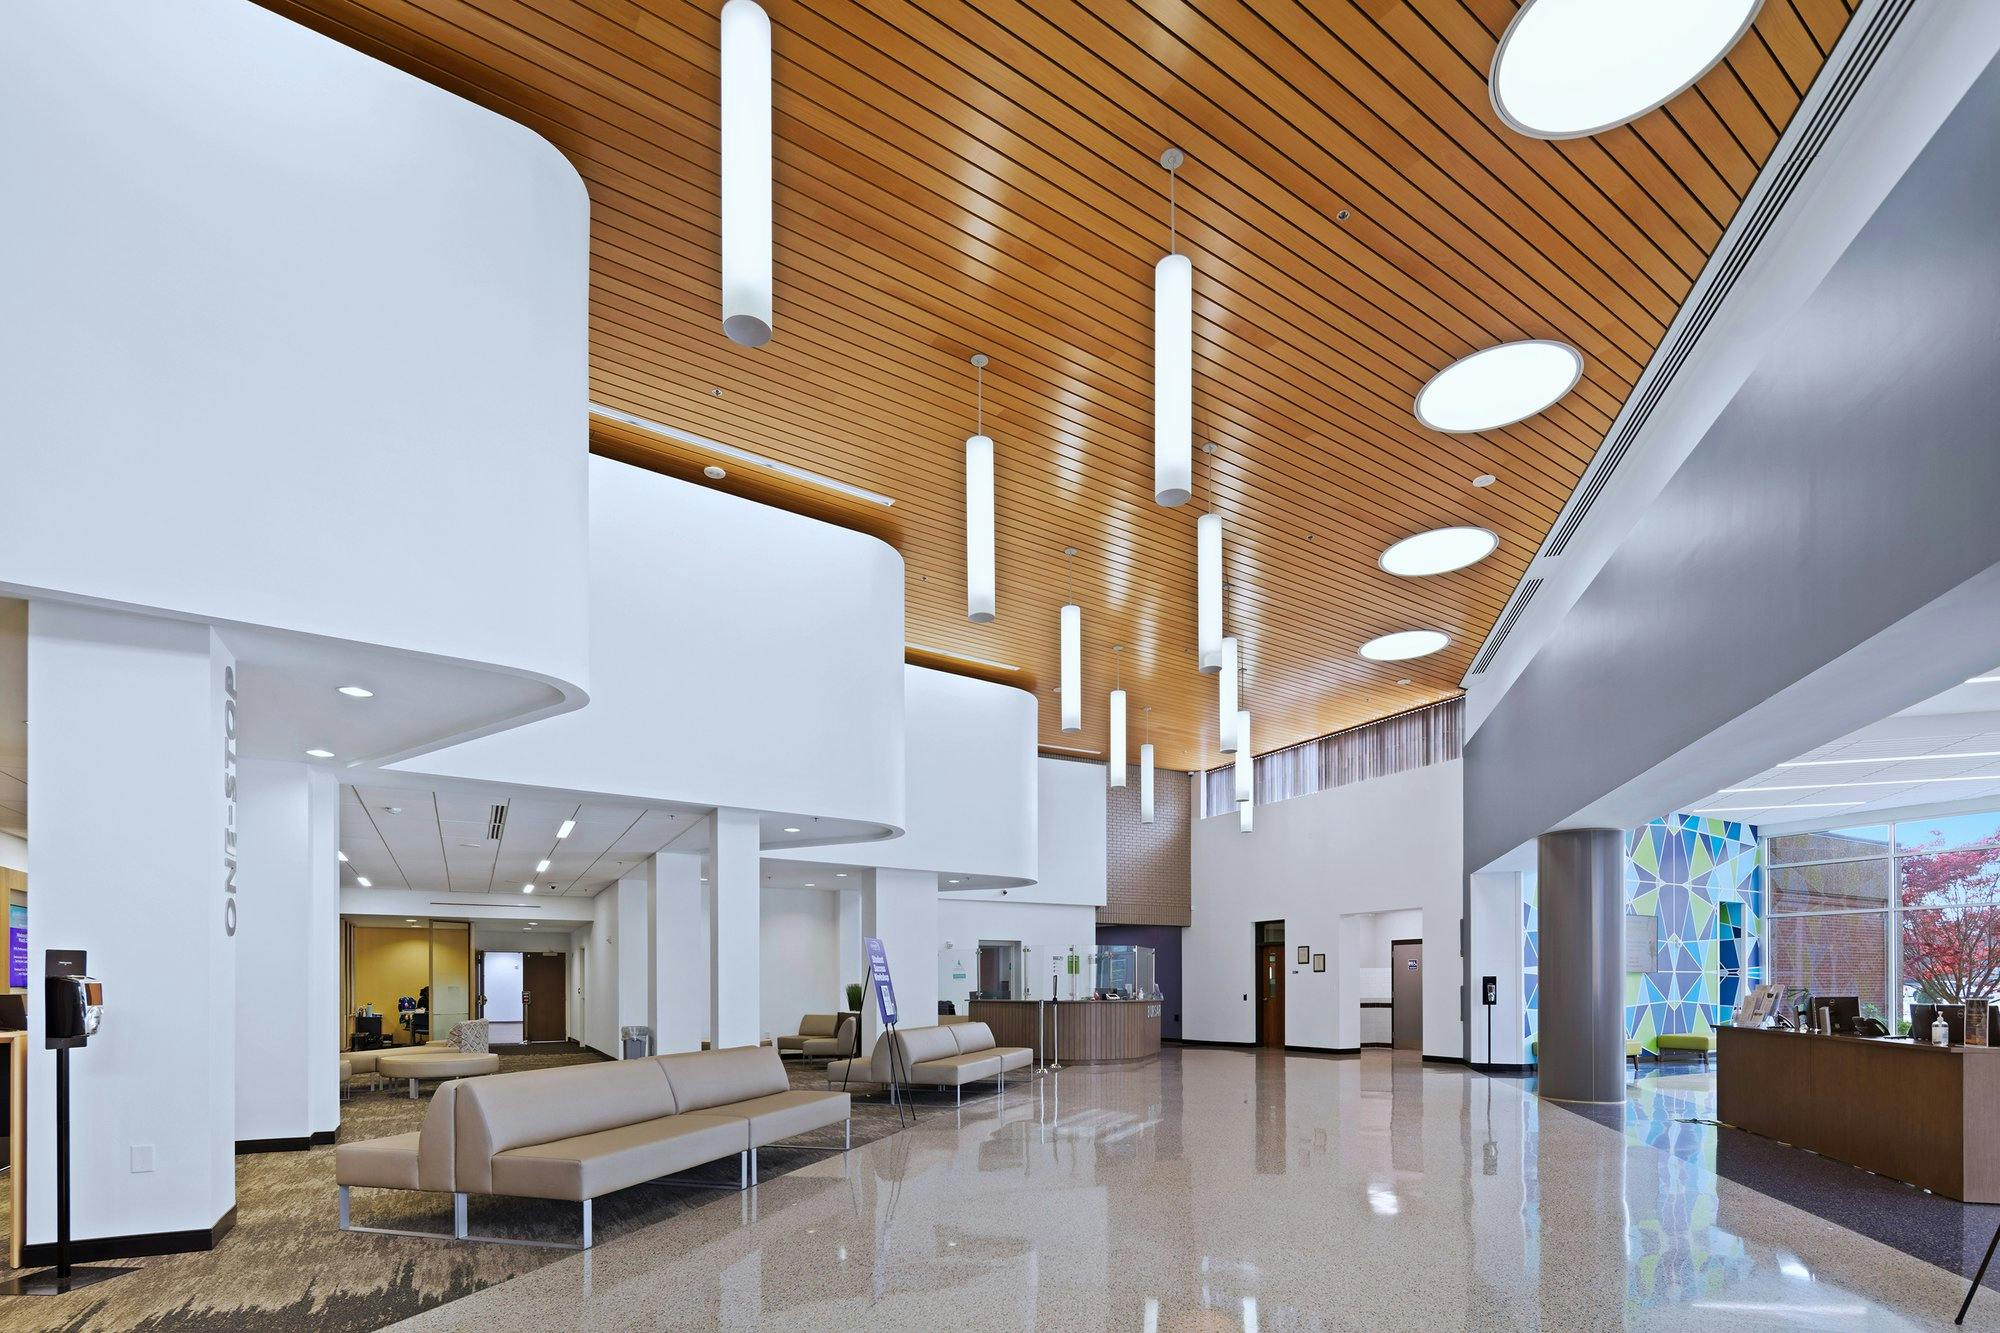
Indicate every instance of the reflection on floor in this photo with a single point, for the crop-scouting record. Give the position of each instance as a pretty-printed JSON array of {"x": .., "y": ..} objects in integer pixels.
[{"x": 1224, "y": 1189}]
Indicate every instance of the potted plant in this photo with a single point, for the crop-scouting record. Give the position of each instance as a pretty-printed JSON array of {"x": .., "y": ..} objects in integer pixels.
[{"x": 854, "y": 996}]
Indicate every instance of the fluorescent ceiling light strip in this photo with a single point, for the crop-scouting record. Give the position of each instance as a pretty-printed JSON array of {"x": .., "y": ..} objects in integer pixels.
[
  {"x": 1796, "y": 805},
  {"x": 1984, "y": 680},
  {"x": 1869, "y": 782},
  {"x": 740, "y": 455},
  {"x": 1892, "y": 759},
  {"x": 957, "y": 657}
]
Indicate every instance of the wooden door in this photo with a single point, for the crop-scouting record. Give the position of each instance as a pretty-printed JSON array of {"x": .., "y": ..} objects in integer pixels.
[
  {"x": 541, "y": 997},
  {"x": 1271, "y": 995},
  {"x": 1406, "y": 995}
]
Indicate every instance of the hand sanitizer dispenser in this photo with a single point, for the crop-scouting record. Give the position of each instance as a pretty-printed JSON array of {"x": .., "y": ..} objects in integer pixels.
[{"x": 1940, "y": 1030}]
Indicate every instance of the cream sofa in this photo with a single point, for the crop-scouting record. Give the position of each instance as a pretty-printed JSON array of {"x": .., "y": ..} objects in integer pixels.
[
  {"x": 823, "y": 1037},
  {"x": 946, "y": 1056},
  {"x": 580, "y": 1131}
]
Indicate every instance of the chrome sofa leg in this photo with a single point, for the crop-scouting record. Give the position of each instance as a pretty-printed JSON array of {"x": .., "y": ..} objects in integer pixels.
[
  {"x": 458, "y": 1227},
  {"x": 586, "y": 1224},
  {"x": 847, "y": 1136},
  {"x": 413, "y": 1089},
  {"x": 343, "y": 1207},
  {"x": 961, "y": 1094},
  {"x": 743, "y": 1169},
  {"x": 753, "y": 1166}
]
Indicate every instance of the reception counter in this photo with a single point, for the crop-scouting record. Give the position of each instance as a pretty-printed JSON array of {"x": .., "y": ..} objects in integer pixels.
[
  {"x": 1921, "y": 1114},
  {"x": 1078, "y": 1032}
]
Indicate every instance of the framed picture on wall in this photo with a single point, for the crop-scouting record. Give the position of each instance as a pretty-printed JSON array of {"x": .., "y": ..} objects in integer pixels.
[
  {"x": 1305, "y": 951},
  {"x": 1319, "y": 962}
]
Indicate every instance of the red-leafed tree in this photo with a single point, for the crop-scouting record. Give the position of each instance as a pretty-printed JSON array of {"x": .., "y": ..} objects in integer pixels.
[{"x": 1951, "y": 923}]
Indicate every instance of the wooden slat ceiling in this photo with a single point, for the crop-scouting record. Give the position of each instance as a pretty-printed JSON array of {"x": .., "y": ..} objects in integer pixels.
[{"x": 954, "y": 178}]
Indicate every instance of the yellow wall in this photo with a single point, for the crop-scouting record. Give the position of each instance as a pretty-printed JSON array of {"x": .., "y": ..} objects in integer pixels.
[
  {"x": 451, "y": 976},
  {"x": 388, "y": 963}
]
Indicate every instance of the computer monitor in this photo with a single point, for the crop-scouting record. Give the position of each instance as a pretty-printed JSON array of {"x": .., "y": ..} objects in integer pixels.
[
  {"x": 1923, "y": 1015},
  {"x": 1843, "y": 1011}
]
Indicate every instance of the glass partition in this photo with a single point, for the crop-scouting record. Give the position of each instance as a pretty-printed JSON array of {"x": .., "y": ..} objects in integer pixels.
[{"x": 1125, "y": 972}]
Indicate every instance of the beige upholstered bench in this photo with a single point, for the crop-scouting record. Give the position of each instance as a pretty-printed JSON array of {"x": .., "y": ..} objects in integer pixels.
[
  {"x": 942, "y": 1057},
  {"x": 581, "y": 1131},
  {"x": 435, "y": 1062}
]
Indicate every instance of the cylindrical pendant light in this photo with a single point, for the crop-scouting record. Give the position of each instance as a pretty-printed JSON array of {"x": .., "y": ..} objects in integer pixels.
[
  {"x": 1115, "y": 770},
  {"x": 1208, "y": 591},
  {"x": 979, "y": 589},
  {"x": 1244, "y": 759},
  {"x": 1173, "y": 359},
  {"x": 1072, "y": 658},
  {"x": 746, "y": 173},
  {"x": 1225, "y": 694},
  {"x": 1146, "y": 773},
  {"x": 1243, "y": 816}
]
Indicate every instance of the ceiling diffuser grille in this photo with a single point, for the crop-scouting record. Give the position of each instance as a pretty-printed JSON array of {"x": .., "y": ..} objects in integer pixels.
[
  {"x": 496, "y": 823},
  {"x": 1507, "y": 623}
]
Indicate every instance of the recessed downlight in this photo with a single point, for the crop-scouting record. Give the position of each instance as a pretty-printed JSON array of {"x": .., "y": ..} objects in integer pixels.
[
  {"x": 1498, "y": 386},
  {"x": 568, "y": 827},
  {"x": 320, "y": 754},
  {"x": 811, "y": 885},
  {"x": 1484, "y": 479},
  {"x": 1439, "y": 551},
  {"x": 357, "y": 692},
  {"x": 1404, "y": 644},
  {"x": 951, "y": 881},
  {"x": 791, "y": 830},
  {"x": 1568, "y": 68},
  {"x": 542, "y": 866},
  {"x": 840, "y": 874}
]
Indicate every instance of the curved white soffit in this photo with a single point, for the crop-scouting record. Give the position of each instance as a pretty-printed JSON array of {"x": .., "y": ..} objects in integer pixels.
[
  {"x": 972, "y": 785},
  {"x": 740, "y": 656},
  {"x": 295, "y": 342}
]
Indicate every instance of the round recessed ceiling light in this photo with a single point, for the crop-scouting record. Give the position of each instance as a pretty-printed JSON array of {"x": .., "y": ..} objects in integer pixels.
[
  {"x": 811, "y": 885},
  {"x": 356, "y": 692},
  {"x": 1439, "y": 552},
  {"x": 1567, "y": 68},
  {"x": 713, "y": 473},
  {"x": 320, "y": 754},
  {"x": 1484, "y": 479},
  {"x": 1499, "y": 386},
  {"x": 1404, "y": 644},
  {"x": 791, "y": 830}
]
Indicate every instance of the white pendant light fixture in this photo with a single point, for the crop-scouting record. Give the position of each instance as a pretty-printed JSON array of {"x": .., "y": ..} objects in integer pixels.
[
  {"x": 1146, "y": 773},
  {"x": 979, "y": 589},
  {"x": 1115, "y": 771},
  {"x": 1225, "y": 694},
  {"x": 1498, "y": 386},
  {"x": 1072, "y": 654},
  {"x": 1208, "y": 581},
  {"x": 1173, "y": 358},
  {"x": 1439, "y": 551},
  {"x": 1244, "y": 820},
  {"x": 1404, "y": 644},
  {"x": 1568, "y": 68},
  {"x": 1245, "y": 782},
  {"x": 746, "y": 172}
]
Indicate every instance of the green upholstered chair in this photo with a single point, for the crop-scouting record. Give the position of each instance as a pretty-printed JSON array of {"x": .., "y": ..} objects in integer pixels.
[{"x": 1700, "y": 1044}]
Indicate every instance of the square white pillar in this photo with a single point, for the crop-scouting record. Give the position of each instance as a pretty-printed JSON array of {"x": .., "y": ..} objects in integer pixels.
[
  {"x": 1497, "y": 928},
  {"x": 847, "y": 941},
  {"x": 734, "y": 943},
  {"x": 679, "y": 955},
  {"x": 288, "y": 1020},
  {"x": 131, "y": 814},
  {"x": 900, "y": 908}
]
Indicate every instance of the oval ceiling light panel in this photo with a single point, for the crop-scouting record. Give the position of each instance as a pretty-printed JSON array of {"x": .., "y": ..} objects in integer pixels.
[
  {"x": 1439, "y": 552},
  {"x": 1499, "y": 386},
  {"x": 1570, "y": 68},
  {"x": 1404, "y": 644}
]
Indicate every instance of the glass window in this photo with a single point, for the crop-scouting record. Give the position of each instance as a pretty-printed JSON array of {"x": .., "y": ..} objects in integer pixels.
[
  {"x": 1837, "y": 953},
  {"x": 1950, "y": 833},
  {"x": 1830, "y": 886},
  {"x": 1830, "y": 845},
  {"x": 1949, "y": 879},
  {"x": 1951, "y": 954}
]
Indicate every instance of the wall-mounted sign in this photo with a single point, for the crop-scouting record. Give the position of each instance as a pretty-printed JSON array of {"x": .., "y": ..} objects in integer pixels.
[{"x": 17, "y": 946}]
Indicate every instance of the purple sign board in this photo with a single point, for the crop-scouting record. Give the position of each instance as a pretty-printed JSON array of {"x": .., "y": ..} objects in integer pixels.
[
  {"x": 878, "y": 980},
  {"x": 17, "y": 946}
]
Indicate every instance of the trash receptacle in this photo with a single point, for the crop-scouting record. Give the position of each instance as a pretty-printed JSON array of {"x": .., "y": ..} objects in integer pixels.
[{"x": 637, "y": 1042}]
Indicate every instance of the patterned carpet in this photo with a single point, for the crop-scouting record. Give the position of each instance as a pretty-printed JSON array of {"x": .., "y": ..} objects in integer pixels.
[{"x": 286, "y": 1265}]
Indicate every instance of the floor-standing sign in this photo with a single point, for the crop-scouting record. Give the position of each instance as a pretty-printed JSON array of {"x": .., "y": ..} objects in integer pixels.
[{"x": 885, "y": 1009}]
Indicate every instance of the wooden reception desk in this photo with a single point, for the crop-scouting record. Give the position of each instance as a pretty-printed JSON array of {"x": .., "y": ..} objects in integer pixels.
[
  {"x": 1922, "y": 1114},
  {"x": 1078, "y": 1032}
]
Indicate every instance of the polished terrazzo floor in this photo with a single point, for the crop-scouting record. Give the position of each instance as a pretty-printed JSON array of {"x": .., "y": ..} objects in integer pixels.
[{"x": 1216, "y": 1189}]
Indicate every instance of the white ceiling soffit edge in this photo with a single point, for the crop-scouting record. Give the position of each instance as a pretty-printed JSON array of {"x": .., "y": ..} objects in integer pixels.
[
  {"x": 1897, "y": 72},
  {"x": 1828, "y": 819}
]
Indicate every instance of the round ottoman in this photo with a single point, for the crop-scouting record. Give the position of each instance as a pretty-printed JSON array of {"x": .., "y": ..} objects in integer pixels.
[{"x": 429, "y": 1062}]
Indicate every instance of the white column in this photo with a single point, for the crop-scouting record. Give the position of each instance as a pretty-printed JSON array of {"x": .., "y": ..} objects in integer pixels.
[
  {"x": 288, "y": 1020},
  {"x": 1347, "y": 984},
  {"x": 1496, "y": 951},
  {"x": 847, "y": 940},
  {"x": 735, "y": 980},
  {"x": 632, "y": 945},
  {"x": 130, "y": 814},
  {"x": 900, "y": 908},
  {"x": 679, "y": 961}
]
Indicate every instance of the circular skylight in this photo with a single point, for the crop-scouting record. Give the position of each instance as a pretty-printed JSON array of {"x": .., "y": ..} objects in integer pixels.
[
  {"x": 1498, "y": 386},
  {"x": 1439, "y": 552},
  {"x": 1568, "y": 68},
  {"x": 1405, "y": 644}
]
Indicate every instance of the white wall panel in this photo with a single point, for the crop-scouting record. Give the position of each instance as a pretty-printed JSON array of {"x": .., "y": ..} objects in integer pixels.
[
  {"x": 799, "y": 930},
  {"x": 293, "y": 339}
]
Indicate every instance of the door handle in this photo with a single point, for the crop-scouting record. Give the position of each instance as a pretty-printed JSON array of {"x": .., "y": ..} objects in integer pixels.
[{"x": 526, "y": 998}]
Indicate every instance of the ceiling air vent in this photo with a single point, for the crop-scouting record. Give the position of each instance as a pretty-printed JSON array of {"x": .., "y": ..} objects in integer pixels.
[
  {"x": 496, "y": 823},
  {"x": 1506, "y": 625},
  {"x": 1727, "y": 266}
]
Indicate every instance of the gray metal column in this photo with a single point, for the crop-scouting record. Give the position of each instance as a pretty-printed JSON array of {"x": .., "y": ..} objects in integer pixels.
[{"x": 1582, "y": 982}]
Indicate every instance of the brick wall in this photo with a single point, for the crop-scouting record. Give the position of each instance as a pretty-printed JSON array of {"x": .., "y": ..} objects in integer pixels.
[{"x": 1146, "y": 865}]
